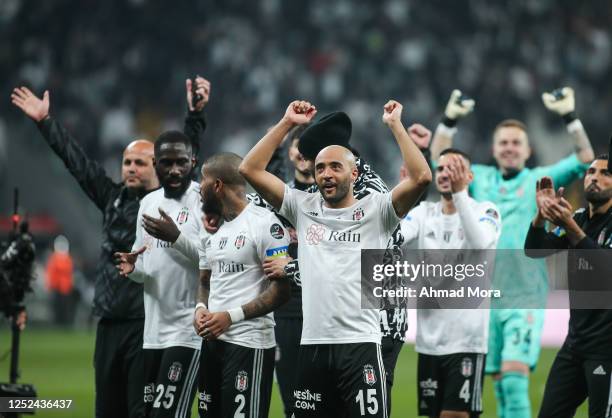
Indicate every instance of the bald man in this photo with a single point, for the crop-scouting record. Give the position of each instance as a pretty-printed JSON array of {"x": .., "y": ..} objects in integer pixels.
[
  {"x": 339, "y": 371},
  {"x": 118, "y": 358}
]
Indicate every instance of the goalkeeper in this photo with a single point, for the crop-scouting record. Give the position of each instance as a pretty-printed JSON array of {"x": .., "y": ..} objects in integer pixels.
[{"x": 514, "y": 334}]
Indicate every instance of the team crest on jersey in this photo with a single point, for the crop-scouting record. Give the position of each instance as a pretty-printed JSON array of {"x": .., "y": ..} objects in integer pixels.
[
  {"x": 242, "y": 381},
  {"x": 240, "y": 241},
  {"x": 182, "y": 216},
  {"x": 602, "y": 237},
  {"x": 358, "y": 214},
  {"x": 277, "y": 231},
  {"x": 466, "y": 367},
  {"x": 369, "y": 375},
  {"x": 315, "y": 234},
  {"x": 174, "y": 372},
  {"x": 447, "y": 236},
  {"x": 222, "y": 243}
]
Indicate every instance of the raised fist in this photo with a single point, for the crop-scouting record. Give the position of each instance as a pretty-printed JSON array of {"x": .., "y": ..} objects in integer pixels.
[
  {"x": 420, "y": 135},
  {"x": 560, "y": 101},
  {"x": 31, "y": 105},
  {"x": 392, "y": 112},
  {"x": 458, "y": 106},
  {"x": 300, "y": 112},
  {"x": 202, "y": 88}
]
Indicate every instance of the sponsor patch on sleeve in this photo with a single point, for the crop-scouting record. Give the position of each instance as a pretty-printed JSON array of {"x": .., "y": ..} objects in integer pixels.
[
  {"x": 558, "y": 231},
  {"x": 489, "y": 220},
  {"x": 277, "y": 252}
]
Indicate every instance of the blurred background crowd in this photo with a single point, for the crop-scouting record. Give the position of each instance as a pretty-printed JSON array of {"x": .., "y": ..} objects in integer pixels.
[{"x": 116, "y": 71}]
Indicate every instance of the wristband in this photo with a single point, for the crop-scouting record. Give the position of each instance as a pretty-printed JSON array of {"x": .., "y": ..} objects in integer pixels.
[
  {"x": 448, "y": 122},
  {"x": 236, "y": 314},
  {"x": 569, "y": 117},
  {"x": 201, "y": 305}
]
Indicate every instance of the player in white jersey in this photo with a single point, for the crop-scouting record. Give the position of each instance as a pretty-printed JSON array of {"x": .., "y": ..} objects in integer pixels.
[
  {"x": 236, "y": 300},
  {"x": 452, "y": 344},
  {"x": 339, "y": 370},
  {"x": 170, "y": 279}
]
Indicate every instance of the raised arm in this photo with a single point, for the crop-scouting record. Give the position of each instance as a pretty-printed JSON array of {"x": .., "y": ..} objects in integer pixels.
[
  {"x": 89, "y": 174},
  {"x": 563, "y": 103},
  {"x": 198, "y": 95},
  {"x": 408, "y": 191},
  {"x": 458, "y": 106},
  {"x": 253, "y": 166}
]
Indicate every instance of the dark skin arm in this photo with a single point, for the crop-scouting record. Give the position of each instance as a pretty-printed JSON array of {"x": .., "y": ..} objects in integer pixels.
[
  {"x": 277, "y": 293},
  {"x": 201, "y": 314}
]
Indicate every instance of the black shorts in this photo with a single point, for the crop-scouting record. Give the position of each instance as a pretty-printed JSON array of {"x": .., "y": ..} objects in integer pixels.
[
  {"x": 340, "y": 380},
  {"x": 450, "y": 382},
  {"x": 235, "y": 381},
  {"x": 170, "y": 376},
  {"x": 571, "y": 380}
]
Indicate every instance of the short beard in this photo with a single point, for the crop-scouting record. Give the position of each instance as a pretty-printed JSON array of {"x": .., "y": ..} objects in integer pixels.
[
  {"x": 176, "y": 193},
  {"x": 212, "y": 204},
  {"x": 598, "y": 198},
  {"x": 342, "y": 190}
]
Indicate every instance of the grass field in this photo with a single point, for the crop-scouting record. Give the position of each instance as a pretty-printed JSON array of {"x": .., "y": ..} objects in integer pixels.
[{"x": 59, "y": 364}]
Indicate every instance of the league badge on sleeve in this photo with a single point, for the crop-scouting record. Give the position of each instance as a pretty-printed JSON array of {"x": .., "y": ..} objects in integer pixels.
[
  {"x": 369, "y": 375},
  {"x": 277, "y": 231},
  {"x": 242, "y": 381}
]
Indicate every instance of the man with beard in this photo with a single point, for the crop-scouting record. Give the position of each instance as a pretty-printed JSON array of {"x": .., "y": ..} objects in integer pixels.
[
  {"x": 452, "y": 344},
  {"x": 236, "y": 300},
  {"x": 514, "y": 336},
  {"x": 168, "y": 269},
  {"x": 583, "y": 365},
  {"x": 118, "y": 358},
  {"x": 340, "y": 341}
]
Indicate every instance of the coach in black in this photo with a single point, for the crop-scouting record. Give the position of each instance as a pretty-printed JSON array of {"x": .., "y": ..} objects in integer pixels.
[
  {"x": 583, "y": 366},
  {"x": 118, "y": 360}
]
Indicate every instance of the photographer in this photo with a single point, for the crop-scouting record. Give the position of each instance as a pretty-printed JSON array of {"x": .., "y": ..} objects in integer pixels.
[{"x": 118, "y": 359}]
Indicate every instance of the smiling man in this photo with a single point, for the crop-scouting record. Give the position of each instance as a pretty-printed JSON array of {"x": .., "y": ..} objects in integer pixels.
[
  {"x": 170, "y": 277},
  {"x": 514, "y": 337},
  {"x": 339, "y": 371}
]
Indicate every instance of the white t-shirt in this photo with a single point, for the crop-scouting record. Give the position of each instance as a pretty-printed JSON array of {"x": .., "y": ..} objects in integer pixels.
[
  {"x": 235, "y": 254},
  {"x": 170, "y": 278},
  {"x": 330, "y": 247},
  {"x": 475, "y": 225}
]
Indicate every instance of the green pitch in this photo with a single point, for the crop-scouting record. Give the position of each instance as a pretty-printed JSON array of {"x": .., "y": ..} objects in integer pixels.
[{"x": 59, "y": 364}]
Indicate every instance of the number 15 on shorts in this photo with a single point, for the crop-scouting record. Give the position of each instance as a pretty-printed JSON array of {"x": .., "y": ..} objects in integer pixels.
[{"x": 367, "y": 401}]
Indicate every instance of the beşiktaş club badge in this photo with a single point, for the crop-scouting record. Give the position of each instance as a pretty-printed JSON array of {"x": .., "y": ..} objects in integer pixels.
[
  {"x": 240, "y": 241},
  {"x": 242, "y": 381},
  {"x": 369, "y": 376},
  {"x": 182, "y": 216},
  {"x": 358, "y": 214},
  {"x": 466, "y": 367},
  {"x": 174, "y": 372}
]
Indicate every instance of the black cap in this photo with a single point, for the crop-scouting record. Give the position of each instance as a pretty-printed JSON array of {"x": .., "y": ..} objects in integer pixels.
[{"x": 332, "y": 129}]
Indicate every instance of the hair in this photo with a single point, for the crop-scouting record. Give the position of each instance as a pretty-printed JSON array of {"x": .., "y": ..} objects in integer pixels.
[
  {"x": 510, "y": 123},
  {"x": 602, "y": 157},
  {"x": 224, "y": 166},
  {"x": 456, "y": 151},
  {"x": 172, "y": 137},
  {"x": 296, "y": 132}
]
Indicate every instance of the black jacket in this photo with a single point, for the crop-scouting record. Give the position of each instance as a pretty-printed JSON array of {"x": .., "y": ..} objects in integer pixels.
[
  {"x": 115, "y": 297},
  {"x": 590, "y": 330}
]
